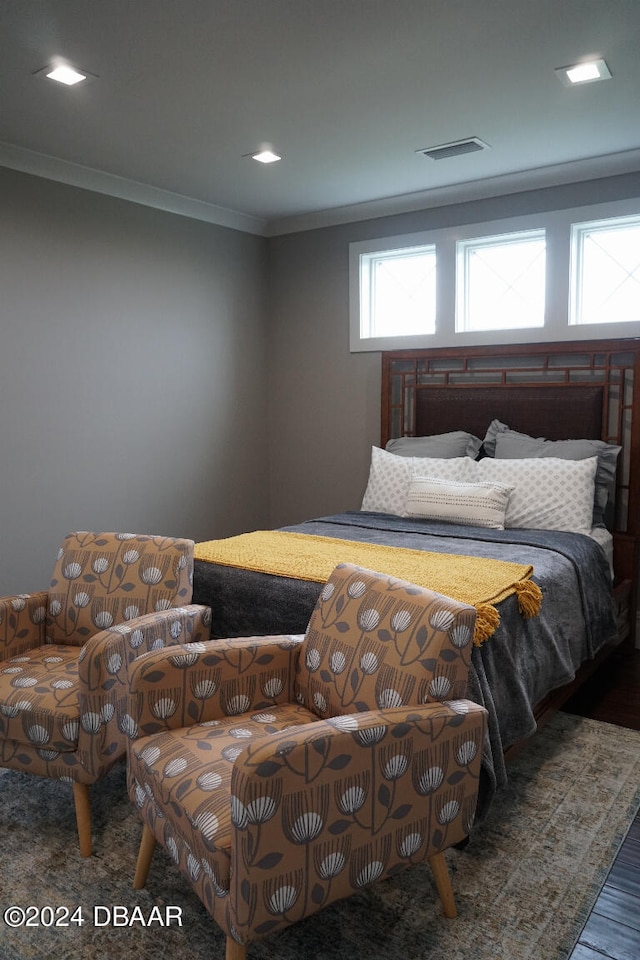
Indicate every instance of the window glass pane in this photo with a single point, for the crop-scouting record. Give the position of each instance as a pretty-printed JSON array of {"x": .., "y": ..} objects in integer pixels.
[
  {"x": 605, "y": 276},
  {"x": 501, "y": 282},
  {"x": 401, "y": 286}
]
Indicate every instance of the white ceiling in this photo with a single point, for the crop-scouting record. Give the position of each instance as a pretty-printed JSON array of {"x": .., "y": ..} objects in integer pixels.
[{"x": 346, "y": 90}]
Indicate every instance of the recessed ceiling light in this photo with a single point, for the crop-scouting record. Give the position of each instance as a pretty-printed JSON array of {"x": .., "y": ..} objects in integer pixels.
[
  {"x": 66, "y": 75},
  {"x": 586, "y": 72},
  {"x": 63, "y": 72},
  {"x": 266, "y": 156}
]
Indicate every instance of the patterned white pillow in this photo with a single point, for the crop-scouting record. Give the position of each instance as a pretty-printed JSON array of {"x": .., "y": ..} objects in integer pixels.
[
  {"x": 475, "y": 504},
  {"x": 548, "y": 494},
  {"x": 390, "y": 475}
]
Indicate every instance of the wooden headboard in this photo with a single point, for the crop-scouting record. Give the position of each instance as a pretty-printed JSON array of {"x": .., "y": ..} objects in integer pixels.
[{"x": 554, "y": 390}]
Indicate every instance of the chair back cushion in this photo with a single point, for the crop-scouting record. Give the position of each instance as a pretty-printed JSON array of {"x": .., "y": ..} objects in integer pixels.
[
  {"x": 101, "y": 579},
  {"x": 376, "y": 642}
]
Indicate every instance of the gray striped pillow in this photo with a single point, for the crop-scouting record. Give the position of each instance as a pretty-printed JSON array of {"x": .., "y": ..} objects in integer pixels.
[{"x": 472, "y": 504}]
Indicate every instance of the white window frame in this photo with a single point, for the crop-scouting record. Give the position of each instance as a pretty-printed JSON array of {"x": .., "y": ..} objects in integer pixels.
[
  {"x": 557, "y": 225},
  {"x": 578, "y": 233},
  {"x": 359, "y": 290},
  {"x": 464, "y": 249},
  {"x": 367, "y": 275}
]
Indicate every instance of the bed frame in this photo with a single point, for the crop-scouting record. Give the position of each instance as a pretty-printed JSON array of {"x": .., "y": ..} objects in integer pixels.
[{"x": 554, "y": 390}]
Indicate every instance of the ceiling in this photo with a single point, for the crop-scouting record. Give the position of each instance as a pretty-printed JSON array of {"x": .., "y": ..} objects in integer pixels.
[{"x": 346, "y": 90}]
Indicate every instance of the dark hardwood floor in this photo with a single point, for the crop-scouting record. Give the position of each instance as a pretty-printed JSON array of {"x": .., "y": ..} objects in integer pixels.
[
  {"x": 612, "y": 931},
  {"x": 612, "y": 694}
]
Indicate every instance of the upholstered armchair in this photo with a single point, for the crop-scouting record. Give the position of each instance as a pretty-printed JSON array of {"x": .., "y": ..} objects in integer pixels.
[
  {"x": 65, "y": 652},
  {"x": 283, "y": 773}
]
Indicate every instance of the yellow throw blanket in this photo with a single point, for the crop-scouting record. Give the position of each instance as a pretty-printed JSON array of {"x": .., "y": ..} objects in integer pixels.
[{"x": 479, "y": 581}]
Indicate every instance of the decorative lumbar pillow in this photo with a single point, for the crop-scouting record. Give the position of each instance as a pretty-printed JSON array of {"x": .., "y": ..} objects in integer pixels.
[
  {"x": 390, "y": 475},
  {"x": 505, "y": 444},
  {"x": 457, "y": 443},
  {"x": 548, "y": 493},
  {"x": 480, "y": 504}
]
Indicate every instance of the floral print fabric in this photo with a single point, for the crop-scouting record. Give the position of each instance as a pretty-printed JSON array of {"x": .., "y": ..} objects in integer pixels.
[
  {"x": 51, "y": 722},
  {"x": 170, "y": 765},
  {"x": 272, "y": 811},
  {"x": 22, "y": 623},
  {"x": 101, "y": 579},
  {"x": 63, "y": 678},
  {"x": 375, "y": 642}
]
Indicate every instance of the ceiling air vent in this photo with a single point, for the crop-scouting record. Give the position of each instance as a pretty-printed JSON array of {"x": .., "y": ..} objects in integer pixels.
[{"x": 456, "y": 149}]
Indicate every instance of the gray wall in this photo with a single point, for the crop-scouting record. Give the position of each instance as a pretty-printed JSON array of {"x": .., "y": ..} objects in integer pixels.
[
  {"x": 325, "y": 402},
  {"x": 133, "y": 367},
  {"x": 132, "y": 374}
]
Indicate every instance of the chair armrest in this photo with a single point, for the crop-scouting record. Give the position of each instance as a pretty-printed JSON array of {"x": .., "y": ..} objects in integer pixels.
[
  {"x": 22, "y": 623},
  {"x": 178, "y": 688},
  {"x": 349, "y": 800},
  {"x": 103, "y": 666}
]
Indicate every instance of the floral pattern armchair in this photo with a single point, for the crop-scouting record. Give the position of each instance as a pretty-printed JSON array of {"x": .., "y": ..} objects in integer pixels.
[
  {"x": 282, "y": 773},
  {"x": 65, "y": 653}
]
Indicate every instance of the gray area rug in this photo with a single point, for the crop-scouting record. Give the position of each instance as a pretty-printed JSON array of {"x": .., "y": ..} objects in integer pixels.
[{"x": 523, "y": 886}]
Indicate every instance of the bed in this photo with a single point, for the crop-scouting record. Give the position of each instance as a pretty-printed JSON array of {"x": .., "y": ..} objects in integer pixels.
[{"x": 529, "y": 665}]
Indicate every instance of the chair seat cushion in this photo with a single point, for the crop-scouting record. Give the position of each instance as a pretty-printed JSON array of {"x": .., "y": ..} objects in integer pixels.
[
  {"x": 193, "y": 765},
  {"x": 39, "y": 698}
]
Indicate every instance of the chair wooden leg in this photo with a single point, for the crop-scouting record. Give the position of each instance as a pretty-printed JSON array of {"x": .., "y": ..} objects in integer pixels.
[
  {"x": 83, "y": 817},
  {"x": 443, "y": 883},
  {"x": 235, "y": 951},
  {"x": 145, "y": 853}
]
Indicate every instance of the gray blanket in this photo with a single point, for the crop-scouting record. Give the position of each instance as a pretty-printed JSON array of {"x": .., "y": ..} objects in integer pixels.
[{"x": 518, "y": 666}]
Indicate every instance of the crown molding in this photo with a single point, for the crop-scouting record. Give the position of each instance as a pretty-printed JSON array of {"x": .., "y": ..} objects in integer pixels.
[
  {"x": 537, "y": 178},
  {"x": 76, "y": 175},
  {"x": 87, "y": 178}
]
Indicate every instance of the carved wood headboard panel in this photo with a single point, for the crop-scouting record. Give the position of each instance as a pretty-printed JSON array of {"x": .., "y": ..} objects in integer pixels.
[{"x": 554, "y": 390}]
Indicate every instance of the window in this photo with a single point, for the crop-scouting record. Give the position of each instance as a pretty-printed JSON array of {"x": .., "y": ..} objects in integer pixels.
[
  {"x": 554, "y": 275},
  {"x": 605, "y": 271},
  {"x": 501, "y": 281},
  {"x": 398, "y": 292}
]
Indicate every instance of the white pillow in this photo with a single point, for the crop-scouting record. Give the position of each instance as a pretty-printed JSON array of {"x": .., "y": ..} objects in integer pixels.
[
  {"x": 548, "y": 494},
  {"x": 390, "y": 475},
  {"x": 475, "y": 504}
]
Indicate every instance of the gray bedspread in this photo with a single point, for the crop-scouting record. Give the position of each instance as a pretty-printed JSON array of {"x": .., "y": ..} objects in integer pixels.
[{"x": 523, "y": 661}]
